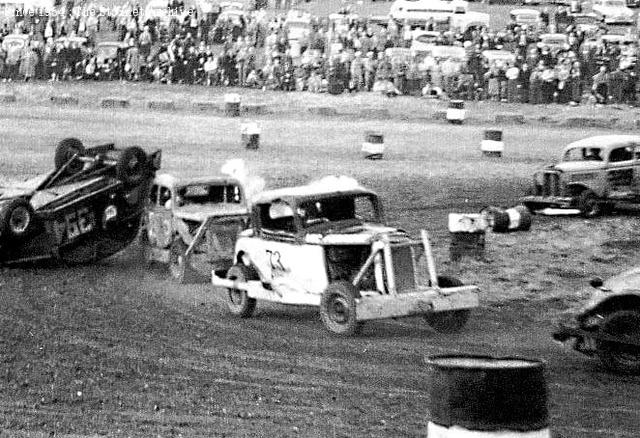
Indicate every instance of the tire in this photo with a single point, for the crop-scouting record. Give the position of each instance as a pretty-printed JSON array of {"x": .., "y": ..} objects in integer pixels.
[
  {"x": 620, "y": 358},
  {"x": 238, "y": 301},
  {"x": 179, "y": 266},
  {"x": 131, "y": 166},
  {"x": 65, "y": 151},
  {"x": 16, "y": 219},
  {"x": 589, "y": 205},
  {"x": 452, "y": 321},
  {"x": 338, "y": 309}
]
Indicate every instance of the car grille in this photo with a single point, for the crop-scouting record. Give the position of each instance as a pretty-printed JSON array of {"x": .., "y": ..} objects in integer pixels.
[
  {"x": 548, "y": 184},
  {"x": 403, "y": 268}
]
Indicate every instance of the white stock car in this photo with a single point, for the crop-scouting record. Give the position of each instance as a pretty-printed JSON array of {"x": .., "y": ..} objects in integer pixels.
[{"x": 326, "y": 245}]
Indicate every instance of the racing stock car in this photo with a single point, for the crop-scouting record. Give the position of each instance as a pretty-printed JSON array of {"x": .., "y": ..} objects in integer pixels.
[
  {"x": 326, "y": 244},
  {"x": 87, "y": 208}
]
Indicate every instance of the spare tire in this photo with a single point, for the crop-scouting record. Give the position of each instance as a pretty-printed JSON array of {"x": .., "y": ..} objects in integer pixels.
[
  {"x": 65, "y": 151},
  {"x": 16, "y": 219},
  {"x": 132, "y": 167}
]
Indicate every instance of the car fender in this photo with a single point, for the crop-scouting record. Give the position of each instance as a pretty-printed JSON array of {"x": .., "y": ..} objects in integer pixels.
[
  {"x": 604, "y": 302},
  {"x": 576, "y": 188}
]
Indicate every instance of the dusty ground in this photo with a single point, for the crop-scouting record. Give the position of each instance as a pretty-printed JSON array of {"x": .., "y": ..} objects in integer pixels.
[{"x": 117, "y": 349}]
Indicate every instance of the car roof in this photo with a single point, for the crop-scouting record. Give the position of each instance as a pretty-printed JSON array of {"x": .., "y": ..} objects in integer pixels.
[
  {"x": 524, "y": 11},
  {"x": 318, "y": 189},
  {"x": 604, "y": 141},
  {"x": 177, "y": 180}
]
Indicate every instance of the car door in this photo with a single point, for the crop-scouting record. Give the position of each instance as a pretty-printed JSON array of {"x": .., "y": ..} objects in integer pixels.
[
  {"x": 159, "y": 215},
  {"x": 283, "y": 258},
  {"x": 621, "y": 171}
]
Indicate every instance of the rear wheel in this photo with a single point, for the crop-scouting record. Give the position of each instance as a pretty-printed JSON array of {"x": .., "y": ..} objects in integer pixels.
[
  {"x": 623, "y": 358},
  {"x": 238, "y": 301},
  {"x": 588, "y": 204},
  {"x": 65, "y": 151},
  {"x": 452, "y": 321},
  {"x": 16, "y": 219},
  {"x": 131, "y": 167},
  {"x": 338, "y": 309}
]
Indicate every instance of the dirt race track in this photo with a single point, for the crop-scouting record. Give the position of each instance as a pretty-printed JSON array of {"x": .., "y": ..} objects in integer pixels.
[{"x": 117, "y": 349}]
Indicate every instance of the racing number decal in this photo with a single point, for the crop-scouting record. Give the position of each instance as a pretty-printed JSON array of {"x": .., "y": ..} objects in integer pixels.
[
  {"x": 76, "y": 223},
  {"x": 277, "y": 268}
]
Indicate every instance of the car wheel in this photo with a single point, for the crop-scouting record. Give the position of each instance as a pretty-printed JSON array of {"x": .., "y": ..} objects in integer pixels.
[
  {"x": 452, "y": 321},
  {"x": 131, "y": 166},
  {"x": 625, "y": 325},
  {"x": 16, "y": 219},
  {"x": 338, "y": 309},
  {"x": 179, "y": 266},
  {"x": 65, "y": 151},
  {"x": 238, "y": 301},
  {"x": 589, "y": 205}
]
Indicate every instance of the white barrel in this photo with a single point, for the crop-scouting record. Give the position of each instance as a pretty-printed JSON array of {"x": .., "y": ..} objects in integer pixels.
[
  {"x": 486, "y": 397},
  {"x": 250, "y": 135},
  {"x": 373, "y": 146},
  {"x": 492, "y": 143},
  {"x": 232, "y": 104},
  {"x": 467, "y": 222},
  {"x": 455, "y": 111}
]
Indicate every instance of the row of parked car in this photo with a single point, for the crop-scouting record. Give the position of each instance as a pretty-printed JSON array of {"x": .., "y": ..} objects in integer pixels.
[{"x": 325, "y": 244}]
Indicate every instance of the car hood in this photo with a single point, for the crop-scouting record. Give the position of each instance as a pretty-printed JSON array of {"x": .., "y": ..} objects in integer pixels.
[
  {"x": 359, "y": 234},
  {"x": 200, "y": 212},
  {"x": 625, "y": 281},
  {"x": 577, "y": 166}
]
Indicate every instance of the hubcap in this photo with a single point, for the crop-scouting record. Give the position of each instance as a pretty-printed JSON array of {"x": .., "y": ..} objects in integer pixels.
[
  {"x": 19, "y": 220},
  {"x": 339, "y": 310}
]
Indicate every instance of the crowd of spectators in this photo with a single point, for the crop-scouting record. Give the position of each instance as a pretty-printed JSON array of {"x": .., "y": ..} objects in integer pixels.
[{"x": 347, "y": 54}]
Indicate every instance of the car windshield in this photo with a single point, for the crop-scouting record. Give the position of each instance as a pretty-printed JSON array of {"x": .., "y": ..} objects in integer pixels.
[
  {"x": 583, "y": 154},
  {"x": 362, "y": 208},
  {"x": 209, "y": 194}
]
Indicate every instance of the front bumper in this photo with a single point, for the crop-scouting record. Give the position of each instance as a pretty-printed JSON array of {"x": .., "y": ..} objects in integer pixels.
[
  {"x": 418, "y": 302},
  {"x": 548, "y": 201}
]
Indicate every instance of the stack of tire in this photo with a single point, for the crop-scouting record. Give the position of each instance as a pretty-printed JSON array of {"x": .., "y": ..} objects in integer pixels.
[{"x": 506, "y": 220}]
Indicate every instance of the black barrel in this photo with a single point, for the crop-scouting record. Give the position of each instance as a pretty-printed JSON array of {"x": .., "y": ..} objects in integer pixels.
[
  {"x": 373, "y": 137},
  {"x": 483, "y": 393},
  {"x": 493, "y": 134}
]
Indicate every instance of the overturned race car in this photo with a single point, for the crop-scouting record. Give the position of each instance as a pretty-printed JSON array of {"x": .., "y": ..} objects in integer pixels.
[
  {"x": 87, "y": 208},
  {"x": 325, "y": 244},
  {"x": 608, "y": 325}
]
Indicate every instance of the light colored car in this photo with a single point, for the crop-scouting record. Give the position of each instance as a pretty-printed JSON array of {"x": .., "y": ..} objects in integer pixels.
[
  {"x": 526, "y": 17},
  {"x": 420, "y": 11},
  {"x": 555, "y": 42},
  {"x": 192, "y": 224},
  {"x": 326, "y": 245},
  {"x": 613, "y": 11},
  {"x": 592, "y": 175},
  {"x": 608, "y": 324}
]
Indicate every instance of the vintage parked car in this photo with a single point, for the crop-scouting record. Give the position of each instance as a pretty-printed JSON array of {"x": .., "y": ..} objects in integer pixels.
[
  {"x": 110, "y": 60},
  {"x": 326, "y": 245},
  {"x": 87, "y": 208},
  {"x": 593, "y": 174},
  {"x": 192, "y": 224},
  {"x": 613, "y": 11},
  {"x": 608, "y": 326}
]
